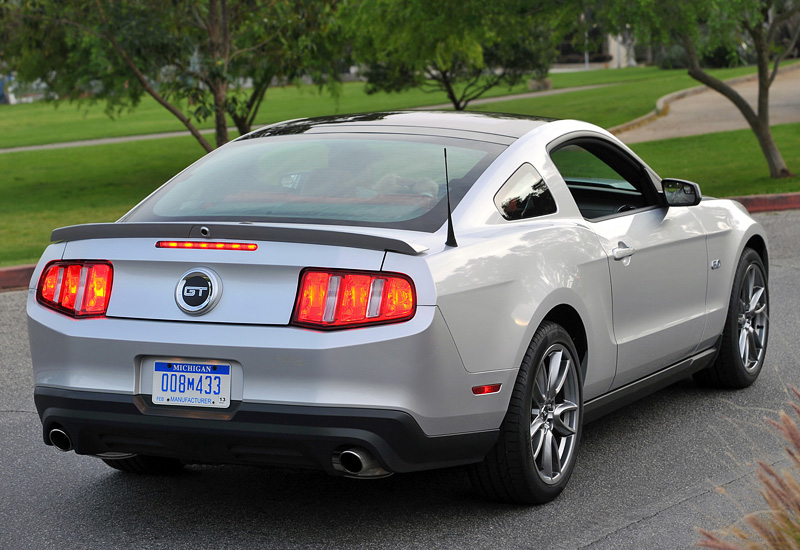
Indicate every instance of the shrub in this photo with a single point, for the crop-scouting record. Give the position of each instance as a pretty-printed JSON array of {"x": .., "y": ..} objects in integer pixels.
[{"x": 777, "y": 528}]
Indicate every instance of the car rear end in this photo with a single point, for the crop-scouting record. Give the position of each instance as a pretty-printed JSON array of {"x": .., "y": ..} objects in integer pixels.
[
  {"x": 250, "y": 380},
  {"x": 255, "y": 312}
]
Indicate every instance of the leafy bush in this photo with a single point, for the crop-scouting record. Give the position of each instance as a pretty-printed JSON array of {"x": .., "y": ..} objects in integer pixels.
[{"x": 671, "y": 57}]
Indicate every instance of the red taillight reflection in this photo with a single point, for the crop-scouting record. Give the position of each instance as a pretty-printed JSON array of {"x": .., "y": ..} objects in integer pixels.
[
  {"x": 79, "y": 288},
  {"x": 338, "y": 299}
]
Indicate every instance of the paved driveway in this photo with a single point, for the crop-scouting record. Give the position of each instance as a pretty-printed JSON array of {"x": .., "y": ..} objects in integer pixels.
[{"x": 710, "y": 111}]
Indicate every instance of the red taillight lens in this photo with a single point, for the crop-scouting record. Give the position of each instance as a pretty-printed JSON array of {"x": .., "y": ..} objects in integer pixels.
[
  {"x": 339, "y": 299},
  {"x": 98, "y": 286},
  {"x": 312, "y": 297},
  {"x": 77, "y": 288},
  {"x": 355, "y": 294}
]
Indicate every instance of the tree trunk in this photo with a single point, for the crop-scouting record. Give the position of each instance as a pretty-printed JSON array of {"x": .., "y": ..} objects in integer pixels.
[
  {"x": 241, "y": 124},
  {"x": 219, "y": 42},
  {"x": 244, "y": 121},
  {"x": 131, "y": 64},
  {"x": 220, "y": 121},
  {"x": 758, "y": 122},
  {"x": 777, "y": 167},
  {"x": 446, "y": 84}
]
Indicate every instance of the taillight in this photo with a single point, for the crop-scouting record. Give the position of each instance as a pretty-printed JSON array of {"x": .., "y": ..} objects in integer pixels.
[
  {"x": 77, "y": 288},
  {"x": 341, "y": 299}
]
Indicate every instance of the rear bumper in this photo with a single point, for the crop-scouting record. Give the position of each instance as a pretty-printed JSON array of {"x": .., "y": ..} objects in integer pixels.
[
  {"x": 412, "y": 366},
  {"x": 252, "y": 433}
]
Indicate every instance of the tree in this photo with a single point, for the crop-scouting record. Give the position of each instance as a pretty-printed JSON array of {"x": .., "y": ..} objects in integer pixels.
[
  {"x": 461, "y": 47},
  {"x": 196, "y": 58},
  {"x": 701, "y": 26}
]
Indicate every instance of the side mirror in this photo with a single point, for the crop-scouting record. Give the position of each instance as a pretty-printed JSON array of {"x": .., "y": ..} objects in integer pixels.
[{"x": 681, "y": 192}]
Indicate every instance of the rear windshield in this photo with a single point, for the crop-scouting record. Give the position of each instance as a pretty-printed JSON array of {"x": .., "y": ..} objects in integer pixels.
[{"x": 379, "y": 180}]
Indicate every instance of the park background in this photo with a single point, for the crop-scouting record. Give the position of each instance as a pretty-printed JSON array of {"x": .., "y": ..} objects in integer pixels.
[{"x": 105, "y": 69}]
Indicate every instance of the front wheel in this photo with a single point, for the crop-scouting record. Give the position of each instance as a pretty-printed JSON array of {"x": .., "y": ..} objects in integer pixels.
[
  {"x": 535, "y": 453},
  {"x": 744, "y": 339}
]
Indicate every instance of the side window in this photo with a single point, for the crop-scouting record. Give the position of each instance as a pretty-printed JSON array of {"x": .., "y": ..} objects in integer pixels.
[
  {"x": 524, "y": 195},
  {"x": 603, "y": 179}
]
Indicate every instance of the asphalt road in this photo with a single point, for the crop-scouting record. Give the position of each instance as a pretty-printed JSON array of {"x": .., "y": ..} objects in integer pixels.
[{"x": 646, "y": 477}]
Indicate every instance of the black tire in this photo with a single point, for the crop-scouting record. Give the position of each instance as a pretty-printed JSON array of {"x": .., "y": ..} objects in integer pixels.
[
  {"x": 147, "y": 465},
  {"x": 545, "y": 413},
  {"x": 744, "y": 339}
]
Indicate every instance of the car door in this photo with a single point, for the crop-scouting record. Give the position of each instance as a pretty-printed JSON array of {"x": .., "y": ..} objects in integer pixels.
[{"x": 656, "y": 255}]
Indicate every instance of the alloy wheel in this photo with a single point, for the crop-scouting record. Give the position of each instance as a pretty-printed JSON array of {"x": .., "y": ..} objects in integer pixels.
[
  {"x": 752, "y": 318},
  {"x": 554, "y": 413}
]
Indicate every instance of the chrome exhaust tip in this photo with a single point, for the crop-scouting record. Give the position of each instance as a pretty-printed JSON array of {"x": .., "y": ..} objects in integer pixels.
[
  {"x": 358, "y": 462},
  {"x": 60, "y": 440}
]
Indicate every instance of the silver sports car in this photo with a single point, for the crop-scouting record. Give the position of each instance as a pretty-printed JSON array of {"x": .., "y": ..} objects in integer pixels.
[{"x": 393, "y": 292}]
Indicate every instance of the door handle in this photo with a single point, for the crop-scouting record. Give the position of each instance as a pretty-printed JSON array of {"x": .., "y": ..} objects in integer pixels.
[{"x": 623, "y": 251}]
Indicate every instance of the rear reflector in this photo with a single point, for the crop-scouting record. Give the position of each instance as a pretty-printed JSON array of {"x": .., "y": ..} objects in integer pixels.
[
  {"x": 77, "y": 288},
  {"x": 483, "y": 390},
  {"x": 340, "y": 299},
  {"x": 206, "y": 245}
]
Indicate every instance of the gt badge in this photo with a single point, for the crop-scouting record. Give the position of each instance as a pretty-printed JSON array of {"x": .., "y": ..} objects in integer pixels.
[
  {"x": 198, "y": 291},
  {"x": 716, "y": 264}
]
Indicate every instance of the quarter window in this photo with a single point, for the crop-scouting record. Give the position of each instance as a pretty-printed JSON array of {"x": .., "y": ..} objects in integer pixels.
[{"x": 524, "y": 195}]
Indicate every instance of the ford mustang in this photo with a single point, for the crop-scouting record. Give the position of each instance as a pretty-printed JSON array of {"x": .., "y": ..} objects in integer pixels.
[{"x": 393, "y": 292}]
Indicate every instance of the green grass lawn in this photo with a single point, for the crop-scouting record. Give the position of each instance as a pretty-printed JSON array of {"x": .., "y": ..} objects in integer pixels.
[
  {"x": 633, "y": 93},
  {"x": 42, "y": 190},
  {"x": 43, "y": 122},
  {"x": 725, "y": 164}
]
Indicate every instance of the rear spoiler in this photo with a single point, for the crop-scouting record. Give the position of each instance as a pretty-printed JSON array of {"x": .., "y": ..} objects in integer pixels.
[{"x": 129, "y": 230}]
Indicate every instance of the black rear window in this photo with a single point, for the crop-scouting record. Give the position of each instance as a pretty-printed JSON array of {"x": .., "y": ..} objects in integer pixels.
[{"x": 378, "y": 180}]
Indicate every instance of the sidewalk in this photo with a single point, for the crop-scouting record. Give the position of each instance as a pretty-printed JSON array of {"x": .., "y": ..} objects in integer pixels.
[{"x": 701, "y": 110}]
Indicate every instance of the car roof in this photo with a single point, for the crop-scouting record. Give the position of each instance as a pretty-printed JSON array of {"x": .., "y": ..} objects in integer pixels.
[{"x": 493, "y": 127}]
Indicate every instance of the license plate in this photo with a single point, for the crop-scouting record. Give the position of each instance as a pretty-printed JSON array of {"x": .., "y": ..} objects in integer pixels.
[{"x": 192, "y": 384}]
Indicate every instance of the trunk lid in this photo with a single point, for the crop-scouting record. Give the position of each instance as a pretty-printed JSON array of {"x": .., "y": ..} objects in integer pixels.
[{"x": 251, "y": 286}]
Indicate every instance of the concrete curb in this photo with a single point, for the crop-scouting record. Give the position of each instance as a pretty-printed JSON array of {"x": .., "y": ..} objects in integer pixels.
[
  {"x": 662, "y": 103},
  {"x": 18, "y": 277},
  {"x": 769, "y": 203},
  {"x": 15, "y": 277}
]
